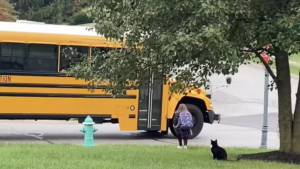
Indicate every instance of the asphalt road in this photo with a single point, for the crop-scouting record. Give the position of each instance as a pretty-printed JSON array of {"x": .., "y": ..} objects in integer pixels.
[{"x": 241, "y": 106}]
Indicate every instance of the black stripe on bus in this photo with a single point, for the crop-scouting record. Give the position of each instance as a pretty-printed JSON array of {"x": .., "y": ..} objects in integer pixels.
[
  {"x": 40, "y": 85},
  {"x": 23, "y": 73},
  {"x": 42, "y": 116},
  {"x": 47, "y": 116},
  {"x": 107, "y": 96}
]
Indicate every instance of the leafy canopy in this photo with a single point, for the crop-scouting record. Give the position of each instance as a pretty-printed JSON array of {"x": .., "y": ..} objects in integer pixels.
[
  {"x": 186, "y": 39},
  {"x": 49, "y": 11},
  {"x": 7, "y": 12}
]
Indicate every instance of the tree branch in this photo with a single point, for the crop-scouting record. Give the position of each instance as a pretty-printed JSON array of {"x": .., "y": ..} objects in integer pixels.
[
  {"x": 267, "y": 66},
  {"x": 258, "y": 49},
  {"x": 266, "y": 50}
]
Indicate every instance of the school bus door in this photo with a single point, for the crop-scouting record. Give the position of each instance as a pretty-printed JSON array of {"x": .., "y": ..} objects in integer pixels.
[{"x": 150, "y": 103}]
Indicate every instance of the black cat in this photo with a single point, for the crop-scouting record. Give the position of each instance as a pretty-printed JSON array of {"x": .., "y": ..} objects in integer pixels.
[{"x": 218, "y": 152}]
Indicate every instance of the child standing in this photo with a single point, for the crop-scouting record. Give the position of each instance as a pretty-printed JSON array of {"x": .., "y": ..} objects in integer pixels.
[{"x": 183, "y": 122}]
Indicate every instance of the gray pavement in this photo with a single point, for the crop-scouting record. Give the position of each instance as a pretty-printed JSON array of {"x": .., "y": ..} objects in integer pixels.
[
  {"x": 241, "y": 106},
  {"x": 68, "y": 133},
  {"x": 248, "y": 121}
]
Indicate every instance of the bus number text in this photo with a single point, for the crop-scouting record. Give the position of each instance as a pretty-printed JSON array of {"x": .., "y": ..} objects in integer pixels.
[{"x": 5, "y": 78}]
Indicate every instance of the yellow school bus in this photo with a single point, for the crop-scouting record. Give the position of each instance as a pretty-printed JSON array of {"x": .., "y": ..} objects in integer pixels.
[{"x": 33, "y": 87}]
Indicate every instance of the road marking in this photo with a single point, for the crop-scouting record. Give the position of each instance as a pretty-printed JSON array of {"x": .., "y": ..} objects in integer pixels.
[{"x": 34, "y": 135}]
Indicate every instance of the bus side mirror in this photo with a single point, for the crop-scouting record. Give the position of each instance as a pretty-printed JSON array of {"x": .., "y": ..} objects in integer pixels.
[{"x": 228, "y": 80}]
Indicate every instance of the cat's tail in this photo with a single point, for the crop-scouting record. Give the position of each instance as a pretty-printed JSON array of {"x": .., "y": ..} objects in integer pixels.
[
  {"x": 233, "y": 160},
  {"x": 237, "y": 159}
]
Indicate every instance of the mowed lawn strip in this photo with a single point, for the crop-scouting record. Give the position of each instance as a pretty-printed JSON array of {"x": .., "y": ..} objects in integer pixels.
[
  {"x": 124, "y": 156},
  {"x": 294, "y": 69},
  {"x": 295, "y": 58}
]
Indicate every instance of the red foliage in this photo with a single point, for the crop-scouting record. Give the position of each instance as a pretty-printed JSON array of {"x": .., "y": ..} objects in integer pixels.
[{"x": 6, "y": 11}]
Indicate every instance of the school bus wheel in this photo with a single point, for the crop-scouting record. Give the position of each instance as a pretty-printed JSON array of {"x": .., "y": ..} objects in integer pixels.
[
  {"x": 198, "y": 120},
  {"x": 172, "y": 128}
]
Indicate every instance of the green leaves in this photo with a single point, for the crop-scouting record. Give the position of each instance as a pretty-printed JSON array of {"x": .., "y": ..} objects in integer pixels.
[
  {"x": 7, "y": 13},
  {"x": 189, "y": 40},
  {"x": 50, "y": 11}
]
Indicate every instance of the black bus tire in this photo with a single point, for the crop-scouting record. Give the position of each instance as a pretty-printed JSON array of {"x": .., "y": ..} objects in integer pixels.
[
  {"x": 198, "y": 120},
  {"x": 173, "y": 129}
]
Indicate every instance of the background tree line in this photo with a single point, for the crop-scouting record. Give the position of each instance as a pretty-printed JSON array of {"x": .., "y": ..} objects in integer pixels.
[{"x": 48, "y": 11}]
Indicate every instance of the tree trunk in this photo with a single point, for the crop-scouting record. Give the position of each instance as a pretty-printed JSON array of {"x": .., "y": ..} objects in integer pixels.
[
  {"x": 284, "y": 100},
  {"x": 296, "y": 122}
]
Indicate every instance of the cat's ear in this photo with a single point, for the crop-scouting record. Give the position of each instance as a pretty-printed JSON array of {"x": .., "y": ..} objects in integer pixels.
[{"x": 216, "y": 140}]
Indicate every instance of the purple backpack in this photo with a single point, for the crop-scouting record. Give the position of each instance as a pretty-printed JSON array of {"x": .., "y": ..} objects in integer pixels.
[{"x": 185, "y": 120}]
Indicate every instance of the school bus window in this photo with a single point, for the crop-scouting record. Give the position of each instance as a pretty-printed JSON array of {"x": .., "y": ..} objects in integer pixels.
[
  {"x": 42, "y": 57},
  {"x": 71, "y": 54},
  {"x": 12, "y": 56},
  {"x": 99, "y": 50}
]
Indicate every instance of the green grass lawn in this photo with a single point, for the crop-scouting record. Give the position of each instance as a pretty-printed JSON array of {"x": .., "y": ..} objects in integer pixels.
[
  {"x": 293, "y": 68},
  {"x": 125, "y": 157},
  {"x": 295, "y": 57}
]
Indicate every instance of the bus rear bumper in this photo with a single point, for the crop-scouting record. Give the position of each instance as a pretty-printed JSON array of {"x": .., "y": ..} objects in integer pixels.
[{"x": 213, "y": 117}]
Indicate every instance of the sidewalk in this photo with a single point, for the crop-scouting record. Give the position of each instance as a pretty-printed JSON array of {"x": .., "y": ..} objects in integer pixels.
[{"x": 294, "y": 63}]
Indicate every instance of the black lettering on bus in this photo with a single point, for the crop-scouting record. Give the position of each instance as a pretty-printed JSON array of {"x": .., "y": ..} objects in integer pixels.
[{"x": 5, "y": 78}]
